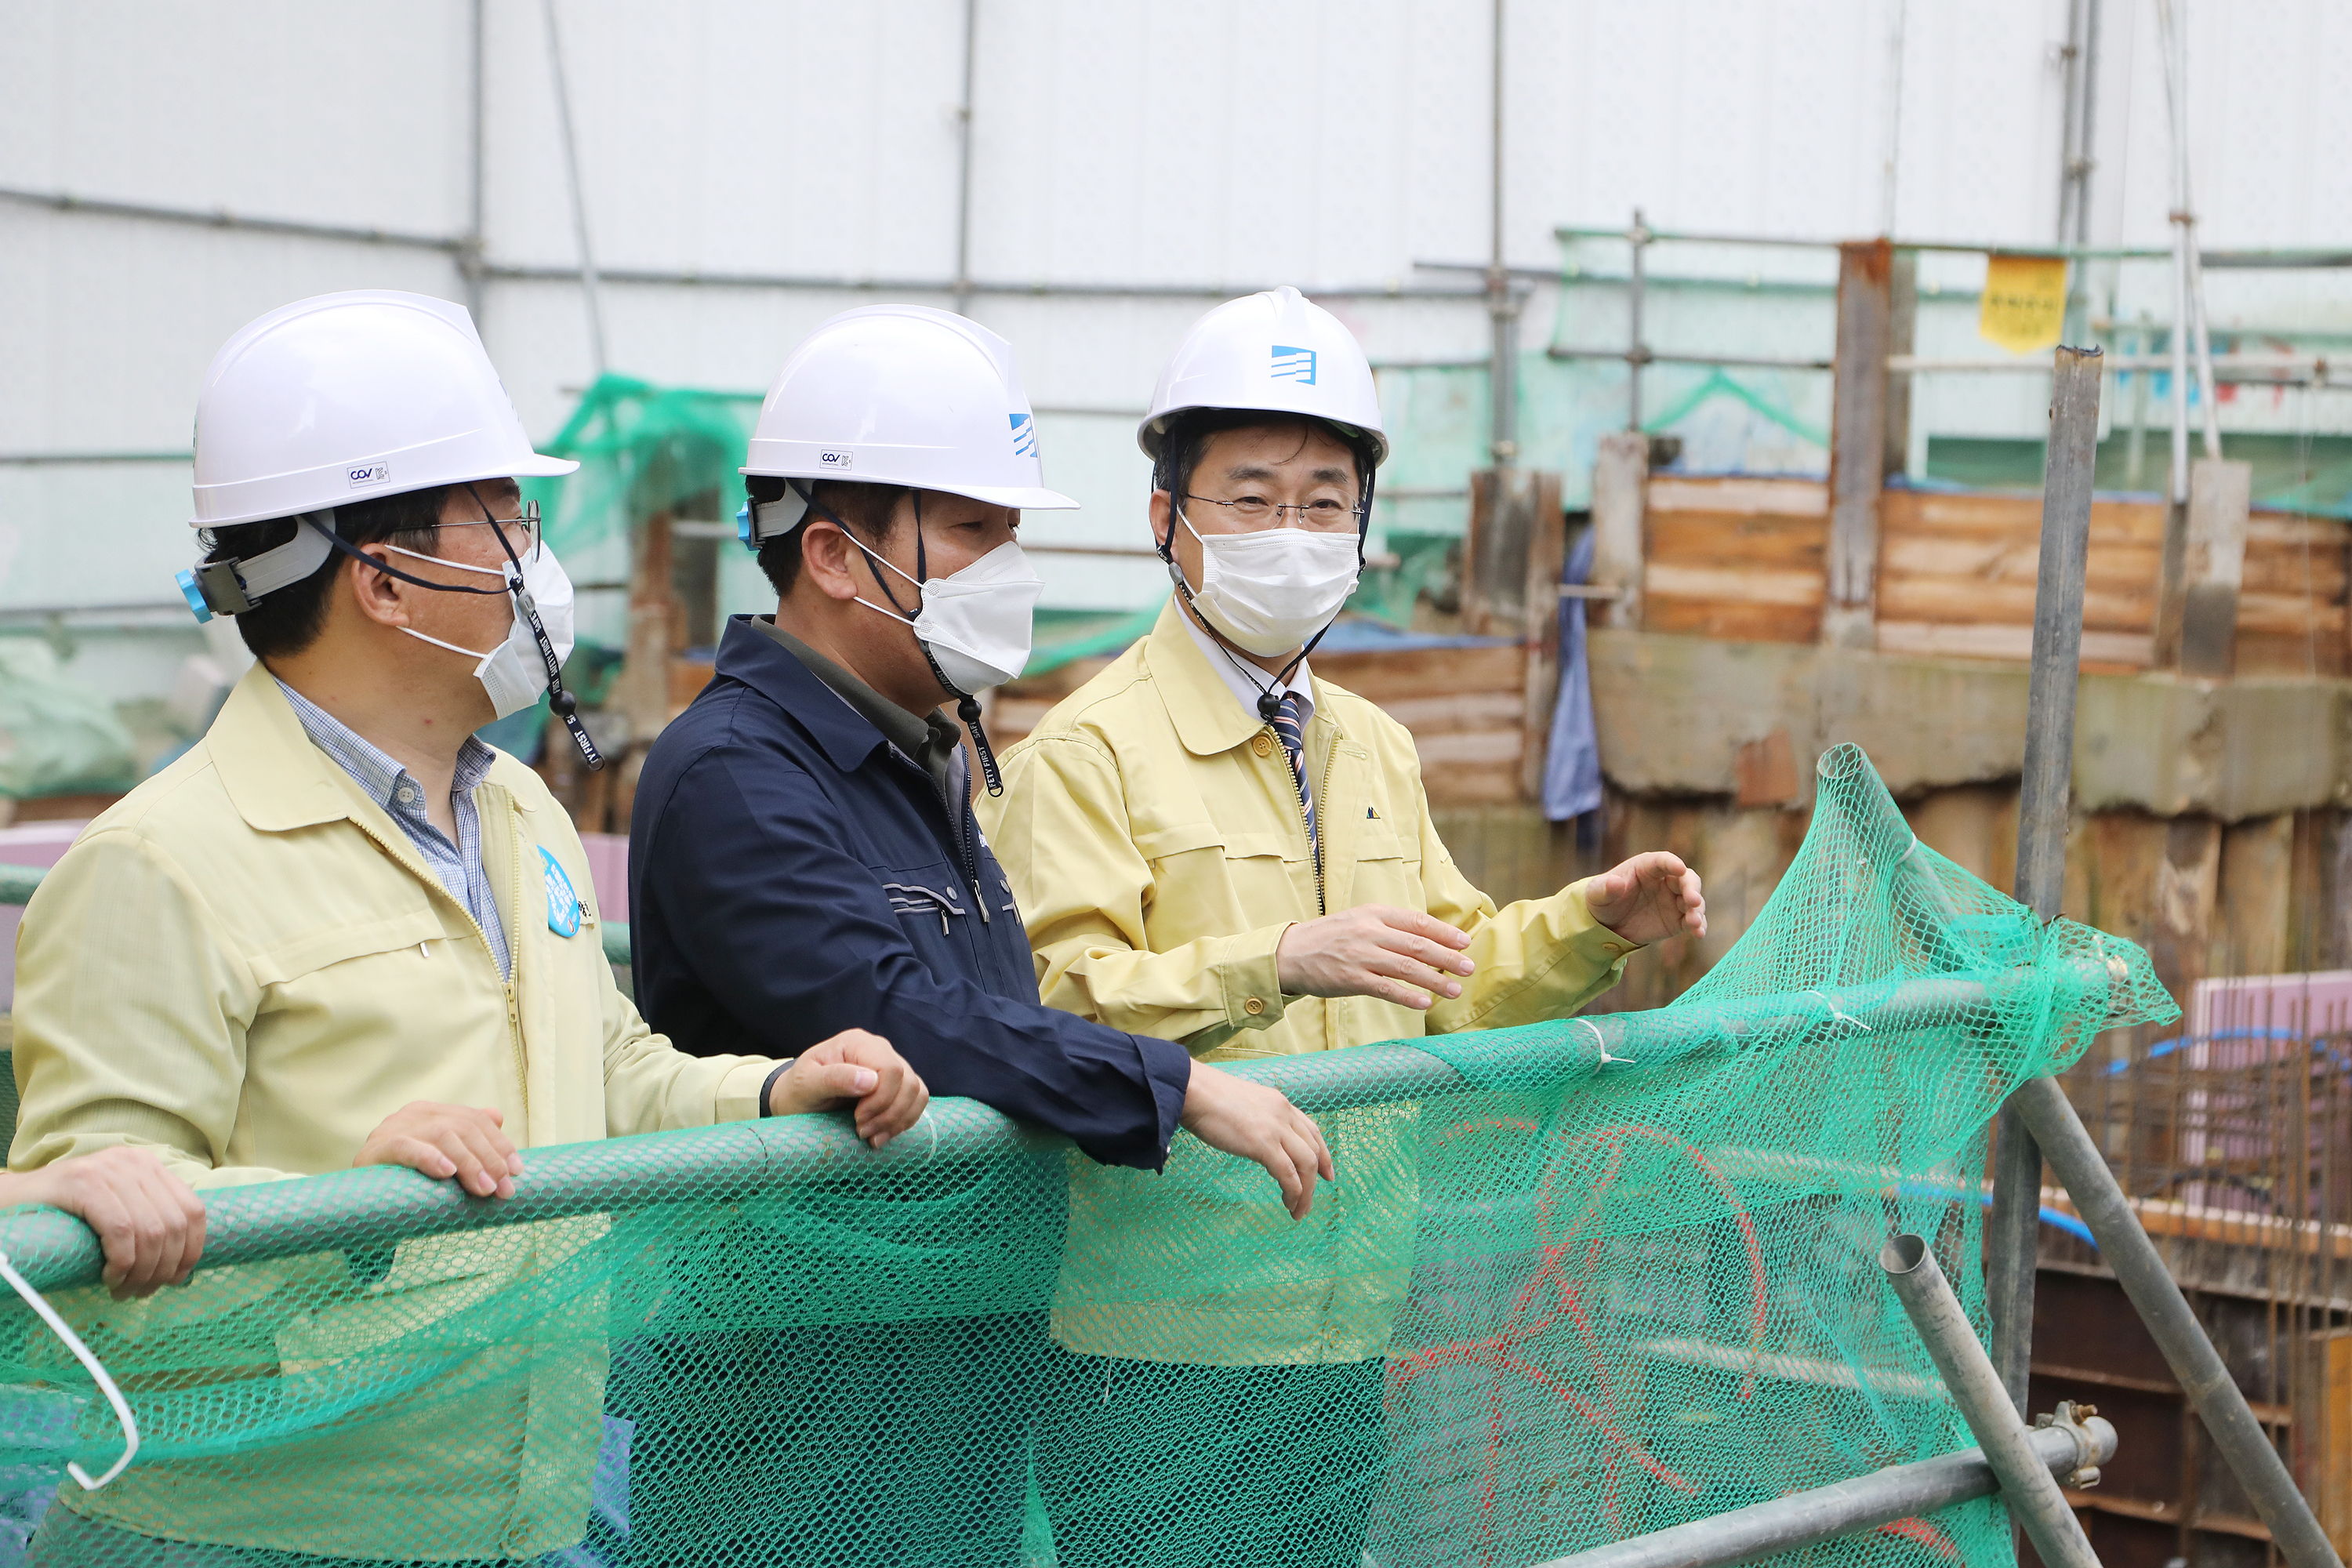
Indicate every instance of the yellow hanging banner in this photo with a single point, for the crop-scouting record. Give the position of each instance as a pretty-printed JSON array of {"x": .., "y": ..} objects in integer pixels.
[{"x": 2024, "y": 302}]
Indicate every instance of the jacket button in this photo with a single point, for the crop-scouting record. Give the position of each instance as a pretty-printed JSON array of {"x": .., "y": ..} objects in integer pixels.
[
  {"x": 1262, "y": 744},
  {"x": 1254, "y": 1006}
]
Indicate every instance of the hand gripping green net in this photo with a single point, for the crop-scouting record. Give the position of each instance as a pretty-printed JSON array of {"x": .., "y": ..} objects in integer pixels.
[{"x": 1576, "y": 1281}]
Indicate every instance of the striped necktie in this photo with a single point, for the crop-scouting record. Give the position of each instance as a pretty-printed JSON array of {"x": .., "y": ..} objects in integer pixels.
[{"x": 1294, "y": 741}]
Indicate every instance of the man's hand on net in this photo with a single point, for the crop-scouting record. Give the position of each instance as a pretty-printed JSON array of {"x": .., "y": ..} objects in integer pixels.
[
  {"x": 856, "y": 1072},
  {"x": 1648, "y": 899},
  {"x": 150, "y": 1225},
  {"x": 1374, "y": 949},
  {"x": 466, "y": 1142},
  {"x": 1261, "y": 1125}
]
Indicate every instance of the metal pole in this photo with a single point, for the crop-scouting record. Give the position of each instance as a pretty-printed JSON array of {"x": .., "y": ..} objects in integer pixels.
[
  {"x": 1845, "y": 1507},
  {"x": 469, "y": 259},
  {"x": 579, "y": 203},
  {"x": 383, "y": 1204},
  {"x": 2013, "y": 1236},
  {"x": 2070, "y": 54},
  {"x": 963, "y": 170},
  {"x": 2125, "y": 1247},
  {"x": 1502, "y": 306},
  {"x": 2027, "y": 1487},
  {"x": 1887, "y": 176},
  {"x": 2182, "y": 238},
  {"x": 1636, "y": 354},
  {"x": 2086, "y": 134}
]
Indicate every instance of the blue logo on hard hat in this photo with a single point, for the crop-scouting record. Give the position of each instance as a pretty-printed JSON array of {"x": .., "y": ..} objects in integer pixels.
[
  {"x": 1024, "y": 437},
  {"x": 1294, "y": 365}
]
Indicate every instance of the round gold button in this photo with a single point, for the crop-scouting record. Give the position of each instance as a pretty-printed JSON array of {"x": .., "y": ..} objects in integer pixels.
[
  {"x": 1254, "y": 1006},
  {"x": 1262, "y": 744}
]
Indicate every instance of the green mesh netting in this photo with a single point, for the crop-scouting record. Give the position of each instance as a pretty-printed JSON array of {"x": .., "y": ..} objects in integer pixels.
[{"x": 1576, "y": 1281}]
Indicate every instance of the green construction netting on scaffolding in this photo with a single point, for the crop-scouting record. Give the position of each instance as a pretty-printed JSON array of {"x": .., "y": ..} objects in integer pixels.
[{"x": 1576, "y": 1281}]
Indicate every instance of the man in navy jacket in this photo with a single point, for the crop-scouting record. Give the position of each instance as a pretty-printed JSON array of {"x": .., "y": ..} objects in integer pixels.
[{"x": 804, "y": 859}]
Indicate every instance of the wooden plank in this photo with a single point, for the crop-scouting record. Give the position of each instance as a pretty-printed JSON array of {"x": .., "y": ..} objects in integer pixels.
[
  {"x": 1471, "y": 784},
  {"x": 1857, "y": 438},
  {"x": 1928, "y": 512},
  {"x": 1476, "y": 746},
  {"x": 1734, "y": 623},
  {"x": 2014, "y": 560},
  {"x": 2289, "y": 614},
  {"x": 2275, "y": 568},
  {"x": 1715, "y": 536},
  {"x": 2219, "y": 492},
  {"x": 1933, "y": 640},
  {"x": 1453, "y": 713},
  {"x": 1968, "y": 602},
  {"x": 1426, "y": 671},
  {"x": 1732, "y": 584},
  {"x": 2292, "y": 653},
  {"x": 1750, "y": 497}
]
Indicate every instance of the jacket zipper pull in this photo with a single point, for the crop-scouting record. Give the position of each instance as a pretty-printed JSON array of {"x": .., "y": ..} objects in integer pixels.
[{"x": 980, "y": 900}]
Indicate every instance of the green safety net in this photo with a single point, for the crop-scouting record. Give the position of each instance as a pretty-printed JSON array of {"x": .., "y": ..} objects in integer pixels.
[{"x": 1576, "y": 1281}]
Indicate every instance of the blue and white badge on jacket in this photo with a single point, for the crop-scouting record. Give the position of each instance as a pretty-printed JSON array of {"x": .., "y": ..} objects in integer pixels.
[{"x": 563, "y": 908}]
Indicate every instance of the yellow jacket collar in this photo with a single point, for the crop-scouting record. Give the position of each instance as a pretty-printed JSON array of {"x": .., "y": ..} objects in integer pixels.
[
  {"x": 1201, "y": 706},
  {"x": 278, "y": 781}
]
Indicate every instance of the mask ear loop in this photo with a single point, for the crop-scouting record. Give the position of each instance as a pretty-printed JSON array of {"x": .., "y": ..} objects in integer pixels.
[
  {"x": 565, "y": 706},
  {"x": 106, "y": 1385},
  {"x": 1269, "y": 706}
]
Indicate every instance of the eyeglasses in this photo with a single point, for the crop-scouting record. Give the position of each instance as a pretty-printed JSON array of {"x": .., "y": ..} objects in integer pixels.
[
  {"x": 1253, "y": 513},
  {"x": 528, "y": 522}
]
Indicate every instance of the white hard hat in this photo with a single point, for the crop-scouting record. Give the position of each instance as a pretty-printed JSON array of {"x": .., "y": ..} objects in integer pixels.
[
  {"x": 1277, "y": 350},
  {"x": 348, "y": 396},
  {"x": 900, "y": 395}
]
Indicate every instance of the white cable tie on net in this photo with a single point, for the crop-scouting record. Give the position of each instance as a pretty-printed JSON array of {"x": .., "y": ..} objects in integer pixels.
[
  {"x": 48, "y": 1315},
  {"x": 1837, "y": 1013},
  {"x": 1602, "y": 1040},
  {"x": 931, "y": 1127}
]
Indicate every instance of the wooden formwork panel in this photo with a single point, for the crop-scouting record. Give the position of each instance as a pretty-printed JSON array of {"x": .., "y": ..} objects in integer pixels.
[
  {"x": 1957, "y": 576},
  {"x": 1740, "y": 559}
]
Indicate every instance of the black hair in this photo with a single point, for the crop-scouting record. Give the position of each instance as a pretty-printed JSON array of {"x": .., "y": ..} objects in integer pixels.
[
  {"x": 1188, "y": 435},
  {"x": 290, "y": 618},
  {"x": 871, "y": 509}
]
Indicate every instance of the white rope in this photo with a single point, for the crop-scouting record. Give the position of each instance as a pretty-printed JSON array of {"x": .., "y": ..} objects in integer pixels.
[{"x": 105, "y": 1384}]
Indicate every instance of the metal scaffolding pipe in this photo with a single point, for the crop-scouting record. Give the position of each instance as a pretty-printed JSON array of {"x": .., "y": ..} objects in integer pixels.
[
  {"x": 1845, "y": 1508},
  {"x": 579, "y": 197},
  {"x": 381, "y": 1206},
  {"x": 2013, "y": 1235},
  {"x": 2140, "y": 1268},
  {"x": 963, "y": 163},
  {"x": 2027, "y": 1487}
]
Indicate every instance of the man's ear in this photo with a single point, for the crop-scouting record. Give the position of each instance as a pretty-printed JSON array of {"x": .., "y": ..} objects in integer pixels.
[
  {"x": 827, "y": 557},
  {"x": 377, "y": 595},
  {"x": 1163, "y": 518}
]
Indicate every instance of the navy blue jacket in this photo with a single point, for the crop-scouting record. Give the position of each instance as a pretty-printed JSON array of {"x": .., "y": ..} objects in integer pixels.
[{"x": 792, "y": 875}]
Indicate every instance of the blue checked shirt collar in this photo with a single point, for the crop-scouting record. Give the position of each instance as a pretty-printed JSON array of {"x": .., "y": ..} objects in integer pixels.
[{"x": 458, "y": 866}]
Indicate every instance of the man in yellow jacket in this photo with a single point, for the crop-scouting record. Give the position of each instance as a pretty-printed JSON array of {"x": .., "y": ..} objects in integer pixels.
[
  {"x": 343, "y": 931},
  {"x": 1210, "y": 845}
]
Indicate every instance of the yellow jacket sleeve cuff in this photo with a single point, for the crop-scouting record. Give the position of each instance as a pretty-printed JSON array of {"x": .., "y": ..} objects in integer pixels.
[
  {"x": 737, "y": 1098},
  {"x": 1247, "y": 981}
]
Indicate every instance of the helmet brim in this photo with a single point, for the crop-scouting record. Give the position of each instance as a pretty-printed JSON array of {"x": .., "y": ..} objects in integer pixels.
[{"x": 1152, "y": 434}]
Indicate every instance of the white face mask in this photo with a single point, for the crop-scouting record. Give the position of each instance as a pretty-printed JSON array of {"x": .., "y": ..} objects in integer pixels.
[
  {"x": 1270, "y": 591},
  {"x": 513, "y": 673},
  {"x": 976, "y": 624}
]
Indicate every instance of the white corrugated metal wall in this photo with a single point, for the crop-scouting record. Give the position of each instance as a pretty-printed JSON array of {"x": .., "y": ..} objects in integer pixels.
[{"x": 1216, "y": 145}]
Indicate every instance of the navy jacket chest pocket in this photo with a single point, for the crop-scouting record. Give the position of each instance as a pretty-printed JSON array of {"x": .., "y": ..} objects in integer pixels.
[{"x": 926, "y": 899}]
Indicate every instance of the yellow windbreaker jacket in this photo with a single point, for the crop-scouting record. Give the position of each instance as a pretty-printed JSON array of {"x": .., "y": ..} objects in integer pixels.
[
  {"x": 245, "y": 967},
  {"x": 1157, "y": 845}
]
